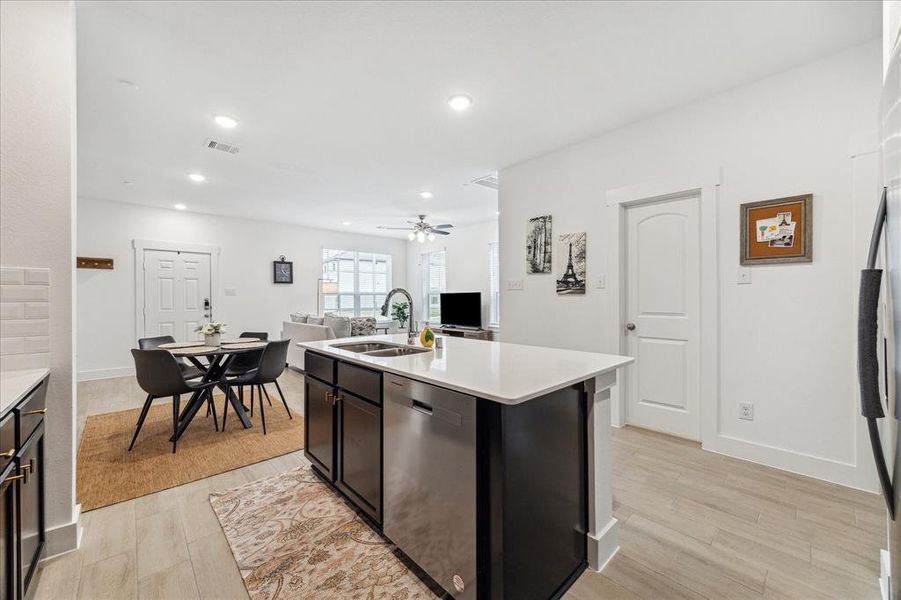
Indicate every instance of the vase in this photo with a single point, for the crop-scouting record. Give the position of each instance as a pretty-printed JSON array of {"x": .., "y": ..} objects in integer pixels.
[{"x": 212, "y": 339}]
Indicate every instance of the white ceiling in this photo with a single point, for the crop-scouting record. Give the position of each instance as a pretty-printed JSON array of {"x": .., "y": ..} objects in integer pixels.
[{"x": 342, "y": 105}]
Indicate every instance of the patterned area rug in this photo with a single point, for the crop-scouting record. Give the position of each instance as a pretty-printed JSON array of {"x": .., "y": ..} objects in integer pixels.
[{"x": 293, "y": 537}]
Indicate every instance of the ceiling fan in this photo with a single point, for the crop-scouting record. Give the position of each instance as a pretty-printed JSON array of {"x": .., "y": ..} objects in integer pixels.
[{"x": 422, "y": 231}]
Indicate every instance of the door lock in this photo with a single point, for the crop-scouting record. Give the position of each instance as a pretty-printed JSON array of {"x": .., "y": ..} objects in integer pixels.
[{"x": 630, "y": 326}]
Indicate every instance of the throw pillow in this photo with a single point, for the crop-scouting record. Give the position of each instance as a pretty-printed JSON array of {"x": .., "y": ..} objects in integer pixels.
[
  {"x": 362, "y": 326},
  {"x": 315, "y": 320},
  {"x": 339, "y": 325},
  {"x": 299, "y": 317}
]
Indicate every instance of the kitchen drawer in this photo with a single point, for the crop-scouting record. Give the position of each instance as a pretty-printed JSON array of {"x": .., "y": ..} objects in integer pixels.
[
  {"x": 362, "y": 382},
  {"x": 319, "y": 366},
  {"x": 7, "y": 439},
  {"x": 30, "y": 412}
]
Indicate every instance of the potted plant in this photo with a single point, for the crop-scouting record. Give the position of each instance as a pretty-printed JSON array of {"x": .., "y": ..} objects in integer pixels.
[
  {"x": 400, "y": 312},
  {"x": 212, "y": 333}
]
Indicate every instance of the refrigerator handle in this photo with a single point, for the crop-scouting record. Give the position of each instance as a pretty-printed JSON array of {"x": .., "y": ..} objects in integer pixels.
[{"x": 867, "y": 356}]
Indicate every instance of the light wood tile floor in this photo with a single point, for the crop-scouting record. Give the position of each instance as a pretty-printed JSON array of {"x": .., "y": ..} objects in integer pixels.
[{"x": 692, "y": 525}]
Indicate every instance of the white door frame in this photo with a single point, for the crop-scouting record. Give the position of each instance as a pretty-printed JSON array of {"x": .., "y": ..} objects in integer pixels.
[
  {"x": 617, "y": 199},
  {"x": 141, "y": 245}
]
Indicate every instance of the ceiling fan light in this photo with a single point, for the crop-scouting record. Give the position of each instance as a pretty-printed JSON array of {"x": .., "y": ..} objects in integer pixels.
[
  {"x": 411, "y": 236},
  {"x": 431, "y": 237},
  {"x": 420, "y": 237}
]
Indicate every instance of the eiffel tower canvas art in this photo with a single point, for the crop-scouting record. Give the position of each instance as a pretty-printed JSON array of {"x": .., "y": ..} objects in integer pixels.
[{"x": 571, "y": 250}]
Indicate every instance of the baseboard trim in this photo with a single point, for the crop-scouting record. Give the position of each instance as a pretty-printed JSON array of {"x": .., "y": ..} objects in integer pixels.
[
  {"x": 105, "y": 373},
  {"x": 794, "y": 462},
  {"x": 603, "y": 546},
  {"x": 64, "y": 538}
]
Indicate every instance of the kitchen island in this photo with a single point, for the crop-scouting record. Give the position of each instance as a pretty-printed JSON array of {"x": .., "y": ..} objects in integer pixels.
[{"x": 488, "y": 464}]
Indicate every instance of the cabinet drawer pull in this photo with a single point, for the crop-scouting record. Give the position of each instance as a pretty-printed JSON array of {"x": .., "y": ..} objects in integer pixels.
[
  {"x": 8, "y": 453},
  {"x": 35, "y": 412},
  {"x": 13, "y": 478},
  {"x": 328, "y": 397}
]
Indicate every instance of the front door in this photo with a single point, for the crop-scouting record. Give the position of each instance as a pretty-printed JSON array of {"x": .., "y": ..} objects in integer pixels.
[
  {"x": 662, "y": 316},
  {"x": 177, "y": 293}
]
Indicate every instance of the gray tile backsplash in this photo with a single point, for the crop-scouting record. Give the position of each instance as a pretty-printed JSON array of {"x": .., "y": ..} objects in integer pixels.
[{"x": 24, "y": 318}]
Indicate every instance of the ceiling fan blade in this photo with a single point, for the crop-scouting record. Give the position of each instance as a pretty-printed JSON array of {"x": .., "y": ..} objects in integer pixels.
[
  {"x": 439, "y": 232},
  {"x": 397, "y": 228},
  {"x": 444, "y": 226}
]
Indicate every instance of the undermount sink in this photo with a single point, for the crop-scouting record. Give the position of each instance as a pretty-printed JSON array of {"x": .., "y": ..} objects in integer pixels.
[
  {"x": 381, "y": 349},
  {"x": 363, "y": 347},
  {"x": 398, "y": 351}
]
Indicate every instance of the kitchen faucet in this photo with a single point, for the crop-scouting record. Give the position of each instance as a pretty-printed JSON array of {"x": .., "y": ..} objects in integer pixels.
[{"x": 411, "y": 334}]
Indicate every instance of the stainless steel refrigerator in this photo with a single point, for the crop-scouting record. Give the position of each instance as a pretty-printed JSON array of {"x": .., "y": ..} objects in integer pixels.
[{"x": 879, "y": 327}]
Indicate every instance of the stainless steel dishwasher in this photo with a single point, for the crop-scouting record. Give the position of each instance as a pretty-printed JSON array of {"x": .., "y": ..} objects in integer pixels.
[{"x": 430, "y": 480}]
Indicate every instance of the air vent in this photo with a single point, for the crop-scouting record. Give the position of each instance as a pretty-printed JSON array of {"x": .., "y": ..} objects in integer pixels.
[
  {"x": 489, "y": 181},
  {"x": 221, "y": 146}
]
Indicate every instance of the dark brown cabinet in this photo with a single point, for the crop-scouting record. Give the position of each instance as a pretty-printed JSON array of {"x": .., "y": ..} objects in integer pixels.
[
  {"x": 343, "y": 428},
  {"x": 31, "y": 507},
  {"x": 22, "y": 521},
  {"x": 319, "y": 425},
  {"x": 360, "y": 453}
]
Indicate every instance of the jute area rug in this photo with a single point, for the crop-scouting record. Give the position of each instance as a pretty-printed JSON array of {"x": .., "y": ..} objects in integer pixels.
[
  {"x": 108, "y": 473},
  {"x": 293, "y": 537}
]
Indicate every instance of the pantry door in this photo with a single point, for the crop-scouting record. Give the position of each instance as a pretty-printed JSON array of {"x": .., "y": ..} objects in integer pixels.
[
  {"x": 662, "y": 301},
  {"x": 177, "y": 293}
]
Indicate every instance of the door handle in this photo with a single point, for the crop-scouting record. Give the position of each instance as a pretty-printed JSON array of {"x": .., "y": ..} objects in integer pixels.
[{"x": 630, "y": 326}]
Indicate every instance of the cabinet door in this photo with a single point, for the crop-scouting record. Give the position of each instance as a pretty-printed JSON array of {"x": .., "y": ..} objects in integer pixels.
[
  {"x": 8, "y": 562},
  {"x": 31, "y": 507},
  {"x": 319, "y": 426},
  {"x": 360, "y": 453}
]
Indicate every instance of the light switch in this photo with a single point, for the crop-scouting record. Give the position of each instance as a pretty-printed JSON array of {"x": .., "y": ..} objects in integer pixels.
[
  {"x": 231, "y": 292},
  {"x": 743, "y": 276},
  {"x": 515, "y": 284}
]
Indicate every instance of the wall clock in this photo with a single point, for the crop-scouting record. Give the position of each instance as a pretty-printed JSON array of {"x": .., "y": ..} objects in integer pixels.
[{"x": 282, "y": 271}]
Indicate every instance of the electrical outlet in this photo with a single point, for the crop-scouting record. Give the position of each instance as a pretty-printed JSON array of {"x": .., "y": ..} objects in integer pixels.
[
  {"x": 514, "y": 284},
  {"x": 746, "y": 411}
]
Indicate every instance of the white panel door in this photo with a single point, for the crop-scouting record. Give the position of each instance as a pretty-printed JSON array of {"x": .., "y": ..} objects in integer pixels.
[
  {"x": 662, "y": 316},
  {"x": 177, "y": 293}
]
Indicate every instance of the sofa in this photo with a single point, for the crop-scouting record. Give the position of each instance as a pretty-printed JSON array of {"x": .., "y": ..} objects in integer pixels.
[{"x": 311, "y": 328}]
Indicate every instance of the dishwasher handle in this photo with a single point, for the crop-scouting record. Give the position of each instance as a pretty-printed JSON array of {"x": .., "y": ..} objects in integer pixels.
[{"x": 422, "y": 407}]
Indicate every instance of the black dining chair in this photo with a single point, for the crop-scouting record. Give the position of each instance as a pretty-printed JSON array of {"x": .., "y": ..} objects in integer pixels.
[
  {"x": 246, "y": 362},
  {"x": 152, "y": 343},
  {"x": 271, "y": 366},
  {"x": 160, "y": 376}
]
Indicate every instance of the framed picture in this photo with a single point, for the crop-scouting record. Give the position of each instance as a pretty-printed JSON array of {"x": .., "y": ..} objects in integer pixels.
[
  {"x": 571, "y": 263},
  {"x": 777, "y": 231},
  {"x": 538, "y": 244},
  {"x": 282, "y": 271}
]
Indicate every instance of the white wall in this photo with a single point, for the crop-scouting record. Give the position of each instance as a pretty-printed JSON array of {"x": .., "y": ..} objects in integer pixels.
[
  {"x": 37, "y": 183},
  {"x": 467, "y": 263},
  {"x": 785, "y": 135},
  {"x": 106, "y": 308}
]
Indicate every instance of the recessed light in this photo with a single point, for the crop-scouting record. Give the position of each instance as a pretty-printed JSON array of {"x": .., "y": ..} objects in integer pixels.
[
  {"x": 225, "y": 121},
  {"x": 459, "y": 102},
  {"x": 179, "y": 207},
  {"x": 345, "y": 222},
  {"x": 425, "y": 195},
  {"x": 196, "y": 177}
]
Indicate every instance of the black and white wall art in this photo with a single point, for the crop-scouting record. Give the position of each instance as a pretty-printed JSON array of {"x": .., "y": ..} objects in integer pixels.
[
  {"x": 539, "y": 240},
  {"x": 570, "y": 254}
]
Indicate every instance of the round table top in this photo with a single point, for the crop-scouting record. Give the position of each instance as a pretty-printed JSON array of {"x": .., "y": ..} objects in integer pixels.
[{"x": 215, "y": 350}]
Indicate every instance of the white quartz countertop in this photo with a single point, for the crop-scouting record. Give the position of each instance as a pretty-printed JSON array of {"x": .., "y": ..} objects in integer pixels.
[
  {"x": 505, "y": 373},
  {"x": 14, "y": 385}
]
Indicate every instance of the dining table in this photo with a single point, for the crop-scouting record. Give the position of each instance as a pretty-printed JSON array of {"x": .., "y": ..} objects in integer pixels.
[{"x": 218, "y": 359}]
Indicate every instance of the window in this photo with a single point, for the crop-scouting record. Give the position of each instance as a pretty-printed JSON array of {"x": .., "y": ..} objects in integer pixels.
[
  {"x": 494, "y": 279},
  {"x": 434, "y": 281},
  {"x": 363, "y": 279}
]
